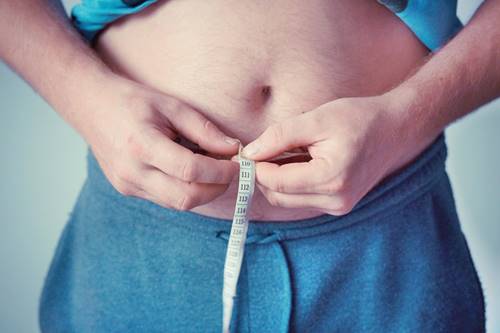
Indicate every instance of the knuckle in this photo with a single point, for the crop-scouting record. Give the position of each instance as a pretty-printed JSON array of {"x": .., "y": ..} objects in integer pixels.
[
  {"x": 133, "y": 100},
  {"x": 188, "y": 171},
  {"x": 279, "y": 185},
  {"x": 273, "y": 199},
  {"x": 344, "y": 205},
  {"x": 163, "y": 200},
  {"x": 227, "y": 174},
  {"x": 219, "y": 176},
  {"x": 276, "y": 184},
  {"x": 139, "y": 103},
  {"x": 192, "y": 190},
  {"x": 337, "y": 185},
  {"x": 175, "y": 106},
  {"x": 123, "y": 188},
  {"x": 318, "y": 121},
  {"x": 184, "y": 203},
  {"x": 276, "y": 132},
  {"x": 122, "y": 173},
  {"x": 137, "y": 147}
]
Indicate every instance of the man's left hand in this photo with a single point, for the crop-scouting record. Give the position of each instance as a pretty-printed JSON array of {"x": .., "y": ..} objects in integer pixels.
[{"x": 354, "y": 143}]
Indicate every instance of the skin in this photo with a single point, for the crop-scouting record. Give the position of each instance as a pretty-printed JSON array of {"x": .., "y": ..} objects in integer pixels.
[
  {"x": 144, "y": 120},
  {"x": 200, "y": 61},
  {"x": 130, "y": 117},
  {"x": 356, "y": 142}
]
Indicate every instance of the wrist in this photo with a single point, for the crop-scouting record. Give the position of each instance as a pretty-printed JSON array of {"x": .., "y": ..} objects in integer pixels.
[
  {"x": 416, "y": 113},
  {"x": 81, "y": 98}
]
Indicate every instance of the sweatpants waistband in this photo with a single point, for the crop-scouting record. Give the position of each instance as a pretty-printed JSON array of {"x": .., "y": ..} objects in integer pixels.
[{"x": 397, "y": 190}]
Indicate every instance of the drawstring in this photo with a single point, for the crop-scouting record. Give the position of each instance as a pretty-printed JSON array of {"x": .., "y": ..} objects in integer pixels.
[
  {"x": 280, "y": 312},
  {"x": 253, "y": 239}
]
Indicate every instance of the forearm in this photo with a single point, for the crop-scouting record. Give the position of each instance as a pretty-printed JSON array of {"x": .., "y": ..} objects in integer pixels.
[
  {"x": 459, "y": 78},
  {"x": 38, "y": 41}
]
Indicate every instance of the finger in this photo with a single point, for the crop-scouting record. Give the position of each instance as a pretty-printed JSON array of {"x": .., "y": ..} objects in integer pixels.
[
  {"x": 294, "y": 132},
  {"x": 336, "y": 205},
  {"x": 171, "y": 192},
  {"x": 303, "y": 177},
  {"x": 195, "y": 127},
  {"x": 178, "y": 161}
]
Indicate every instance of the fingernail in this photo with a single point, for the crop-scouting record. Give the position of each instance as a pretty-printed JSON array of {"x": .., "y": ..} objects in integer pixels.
[
  {"x": 250, "y": 150},
  {"x": 231, "y": 141}
]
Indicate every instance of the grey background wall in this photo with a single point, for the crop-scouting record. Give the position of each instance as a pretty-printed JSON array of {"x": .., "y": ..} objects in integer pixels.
[{"x": 43, "y": 166}]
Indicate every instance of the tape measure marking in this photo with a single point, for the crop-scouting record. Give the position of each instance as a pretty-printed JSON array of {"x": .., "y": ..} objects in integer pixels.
[
  {"x": 237, "y": 238},
  {"x": 239, "y": 228}
]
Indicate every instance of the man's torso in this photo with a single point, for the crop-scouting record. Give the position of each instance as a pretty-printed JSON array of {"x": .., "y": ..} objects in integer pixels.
[{"x": 248, "y": 64}]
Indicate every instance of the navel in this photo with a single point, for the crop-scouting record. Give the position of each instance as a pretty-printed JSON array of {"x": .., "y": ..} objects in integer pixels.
[{"x": 266, "y": 91}]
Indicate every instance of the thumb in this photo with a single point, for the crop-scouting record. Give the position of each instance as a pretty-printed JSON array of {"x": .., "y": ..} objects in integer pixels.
[
  {"x": 200, "y": 130},
  {"x": 281, "y": 137}
]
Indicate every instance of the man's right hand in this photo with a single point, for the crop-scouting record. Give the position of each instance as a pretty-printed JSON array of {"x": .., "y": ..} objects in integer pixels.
[
  {"x": 129, "y": 127},
  {"x": 131, "y": 130}
]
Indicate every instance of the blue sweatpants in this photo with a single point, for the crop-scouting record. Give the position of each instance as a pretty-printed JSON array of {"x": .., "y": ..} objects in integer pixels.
[{"x": 398, "y": 262}]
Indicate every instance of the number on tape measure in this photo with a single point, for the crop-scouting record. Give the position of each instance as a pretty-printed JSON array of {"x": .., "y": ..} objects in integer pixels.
[{"x": 237, "y": 237}]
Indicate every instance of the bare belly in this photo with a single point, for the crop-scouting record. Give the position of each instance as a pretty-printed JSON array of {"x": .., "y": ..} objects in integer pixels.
[{"x": 248, "y": 64}]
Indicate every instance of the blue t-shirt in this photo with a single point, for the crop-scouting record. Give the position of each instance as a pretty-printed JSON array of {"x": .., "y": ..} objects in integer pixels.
[{"x": 434, "y": 22}]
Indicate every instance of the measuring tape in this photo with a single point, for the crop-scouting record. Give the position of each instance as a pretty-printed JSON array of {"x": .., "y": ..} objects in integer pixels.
[
  {"x": 239, "y": 227},
  {"x": 237, "y": 237}
]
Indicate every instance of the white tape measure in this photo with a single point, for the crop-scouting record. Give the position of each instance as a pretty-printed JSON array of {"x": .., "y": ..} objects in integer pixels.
[
  {"x": 239, "y": 227},
  {"x": 237, "y": 237}
]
